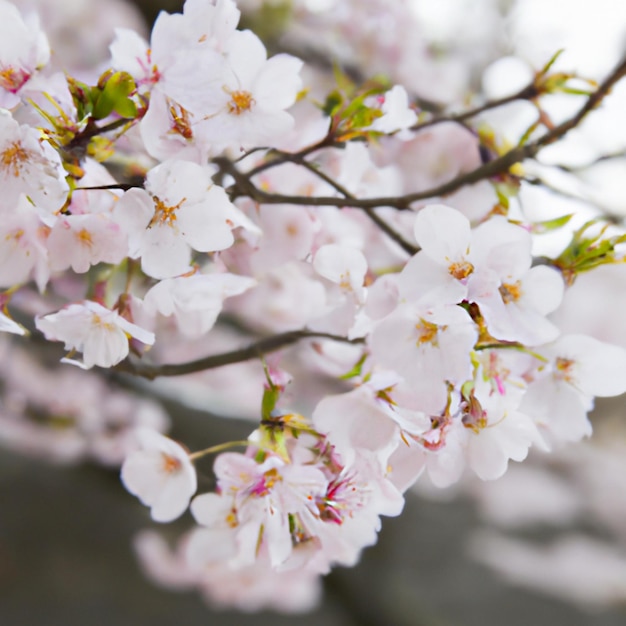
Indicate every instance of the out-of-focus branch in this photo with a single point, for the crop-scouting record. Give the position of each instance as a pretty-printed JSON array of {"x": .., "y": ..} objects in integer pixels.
[
  {"x": 407, "y": 246},
  {"x": 527, "y": 93},
  {"x": 253, "y": 351}
]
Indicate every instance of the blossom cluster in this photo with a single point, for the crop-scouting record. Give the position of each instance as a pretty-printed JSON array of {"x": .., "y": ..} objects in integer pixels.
[{"x": 194, "y": 175}]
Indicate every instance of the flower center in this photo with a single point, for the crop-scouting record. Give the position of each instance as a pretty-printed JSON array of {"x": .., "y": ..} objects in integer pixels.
[
  {"x": 510, "y": 292},
  {"x": 460, "y": 270},
  {"x": 426, "y": 332},
  {"x": 84, "y": 237},
  {"x": 240, "y": 101},
  {"x": 164, "y": 214},
  {"x": 170, "y": 464},
  {"x": 12, "y": 157},
  {"x": 564, "y": 369},
  {"x": 12, "y": 79}
]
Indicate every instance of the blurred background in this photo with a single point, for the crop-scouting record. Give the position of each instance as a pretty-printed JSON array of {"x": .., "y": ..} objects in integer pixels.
[{"x": 544, "y": 545}]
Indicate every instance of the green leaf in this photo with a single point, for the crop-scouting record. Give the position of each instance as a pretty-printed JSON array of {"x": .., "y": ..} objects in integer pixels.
[
  {"x": 334, "y": 101},
  {"x": 546, "y": 68},
  {"x": 356, "y": 370},
  {"x": 539, "y": 228}
]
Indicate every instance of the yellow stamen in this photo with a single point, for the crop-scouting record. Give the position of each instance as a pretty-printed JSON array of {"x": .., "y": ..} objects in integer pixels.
[
  {"x": 13, "y": 156},
  {"x": 460, "y": 270},
  {"x": 240, "y": 101},
  {"x": 427, "y": 332},
  {"x": 510, "y": 292},
  {"x": 164, "y": 214},
  {"x": 170, "y": 464}
]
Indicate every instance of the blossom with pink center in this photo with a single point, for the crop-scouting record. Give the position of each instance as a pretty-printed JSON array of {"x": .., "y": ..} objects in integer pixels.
[
  {"x": 29, "y": 167},
  {"x": 266, "y": 497},
  {"x": 99, "y": 333},
  {"x": 24, "y": 49},
  {"x": 161, "y": 475},
  {"x": 396, "y": 112}
]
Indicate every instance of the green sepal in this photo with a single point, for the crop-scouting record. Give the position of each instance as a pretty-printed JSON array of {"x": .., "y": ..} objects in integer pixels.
[{"x": 114, "y": 96}]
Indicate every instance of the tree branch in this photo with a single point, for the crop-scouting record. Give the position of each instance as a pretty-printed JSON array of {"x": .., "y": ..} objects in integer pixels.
[
  {"x": 253, "y": 351},
  {"x": 493, "y": 168},
  {"x": 407, "y": 246},
  {"x": 527, "y": 93}
]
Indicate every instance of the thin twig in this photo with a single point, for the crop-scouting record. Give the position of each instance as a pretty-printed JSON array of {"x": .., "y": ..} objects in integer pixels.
[
  {"x": 407, "y": 246},
  {"x": 527, "y": 93}
]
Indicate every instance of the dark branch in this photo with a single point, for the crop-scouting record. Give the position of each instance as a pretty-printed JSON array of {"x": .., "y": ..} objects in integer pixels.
[
  {"x": 498, "y": 166},
  {"x": 407, "y": 246},
  {"x": 253, "y": 351}
]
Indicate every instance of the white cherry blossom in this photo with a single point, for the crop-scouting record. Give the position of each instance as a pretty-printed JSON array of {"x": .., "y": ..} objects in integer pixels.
[
  {"x": 161, "y": 475},
  {"x": 396, "y": 112},
  {"x": 179, "y": 210},
  {"x": 99, "y": 333},
  {"x": 196, "y": 300},
  {"x": 29, "y": 167}
]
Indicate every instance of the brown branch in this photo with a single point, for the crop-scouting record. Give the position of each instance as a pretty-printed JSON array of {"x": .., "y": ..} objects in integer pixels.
[
  {"x": 527, "y": 93},
  {"x": 253, "y": 351},
  {"x": 279, "y": 157},
  {"x": 493, "y": 168},
  {"x": 407, "y": 246}
]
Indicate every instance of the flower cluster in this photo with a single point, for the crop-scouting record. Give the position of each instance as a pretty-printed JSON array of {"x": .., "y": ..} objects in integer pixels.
[{"x": 196, "y": 176}]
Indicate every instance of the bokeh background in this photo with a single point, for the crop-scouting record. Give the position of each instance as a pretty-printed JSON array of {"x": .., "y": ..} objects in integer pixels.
[{"x": 544, "y": 545}]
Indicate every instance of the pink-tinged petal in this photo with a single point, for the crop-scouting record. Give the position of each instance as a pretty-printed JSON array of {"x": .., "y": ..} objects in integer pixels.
[
  {"x": 246, "y": 56},
  {"x": 598, "y": 368},
  {"x": 105, "y": 347},
  {"x": 210, "y": 546},
  {"x": 278, "y": 82},
  {"x": 174, "y": 497},
  {"x": 160, "y": 474},
  {"x": 426, "y": 281},
  {"x": 342, "y": 265},
  {"x": 133, "y": 213},
  {"x": 7, "y": 325},
  {"x": 164, "y": 253},
  {"x": 407, "y": 464},
  {"x": 353, "y": 422},
  {"x": 211, "y": 509},
  {"x": 502, "y": 247},
  {"x": 543, "y": 289},
  {"x": 179, "y": 182},
  {"x": 443, "y": 233},
  {"x": 559, "y": 410}
]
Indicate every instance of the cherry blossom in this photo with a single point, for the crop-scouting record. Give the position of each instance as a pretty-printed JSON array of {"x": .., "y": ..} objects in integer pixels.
[
  {"x": 23, "y": 51},
  {"x": 161, "y": 475},
  {"x": 100, "y": 334},
  {"x": 179, "y": 210}
]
